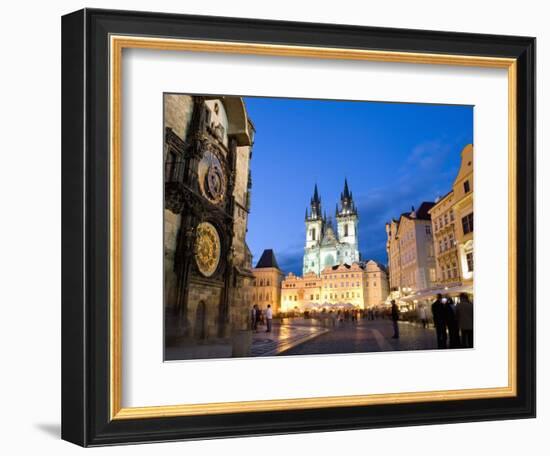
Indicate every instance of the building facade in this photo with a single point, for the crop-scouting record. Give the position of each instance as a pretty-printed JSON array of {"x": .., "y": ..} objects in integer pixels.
[
  {"x": 359, "y": 285},
  {"x": 410, "y": 250},
  {"x": 207, "y": 152},
  {"x": 463, "y": 191},
  {"x": 266, "y": 285},
  {"x": 453, "y": 227},
  {"x": 445, "y": 246},
  {"x": 326, "y": 245},
  {"x": 393, "y": 251}
]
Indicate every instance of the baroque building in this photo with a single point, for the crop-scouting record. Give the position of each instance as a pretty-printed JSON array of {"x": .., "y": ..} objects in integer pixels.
[
  {"x": 325, "y": 247},
  {"x": 207, "y": 264},
  {"x": 453, "y": 226},
  {"x": 360, "y": 285},
  {"x": 266, "y": 285},
  {"x": 410, "y": 250}
]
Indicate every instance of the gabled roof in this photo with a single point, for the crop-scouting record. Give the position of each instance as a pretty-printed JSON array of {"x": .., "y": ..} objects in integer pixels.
[{"x": 267, "y": 260}]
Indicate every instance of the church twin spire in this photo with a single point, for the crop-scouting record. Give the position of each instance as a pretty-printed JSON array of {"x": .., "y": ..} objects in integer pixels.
[{"x": 345, "y": 208}]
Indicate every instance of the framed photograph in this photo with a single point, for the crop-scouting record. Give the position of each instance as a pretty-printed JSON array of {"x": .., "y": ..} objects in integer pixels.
[{"x": 268, "y": 227}]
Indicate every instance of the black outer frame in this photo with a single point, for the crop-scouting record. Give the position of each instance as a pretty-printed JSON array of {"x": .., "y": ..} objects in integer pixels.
[{"x": 85, "y": 227}]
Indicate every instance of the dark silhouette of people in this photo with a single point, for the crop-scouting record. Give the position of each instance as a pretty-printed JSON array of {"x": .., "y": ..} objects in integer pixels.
[
  {"x": 438, "y": 313},
  {"x": 465, "y": 319},
  {"x": 395, "y": 319},
  {"x": 254, "y": 315},
  {"x": 451, "y": 323}
]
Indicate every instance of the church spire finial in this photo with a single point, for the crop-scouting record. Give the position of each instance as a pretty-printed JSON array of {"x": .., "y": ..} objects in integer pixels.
[
  {"x": 346, "y": 189},
  {"x": 316, "y": 194},
  {"x": 346, "y": 202},
  {"x": 315, "y": 203}
]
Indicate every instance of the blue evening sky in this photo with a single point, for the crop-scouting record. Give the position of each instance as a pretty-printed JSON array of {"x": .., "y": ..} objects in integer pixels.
[{"x": 394, "y": 155}]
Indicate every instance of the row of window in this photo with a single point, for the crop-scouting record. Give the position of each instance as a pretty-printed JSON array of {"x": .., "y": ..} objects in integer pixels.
[
  {"x": 262, "y": 282},
  {"x": 339, "y": 276},
  {"x": 262, "y": 297},
  {"x": 443, "y": 220},
  {"x": 343, "y": 284},
  {"x": 347, "y": 294},
  {"x": 449, "y": 271},
  {"x": 447, "y": 243}
]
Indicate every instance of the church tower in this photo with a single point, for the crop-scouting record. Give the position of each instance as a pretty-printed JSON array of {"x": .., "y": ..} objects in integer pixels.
[
  {"x": 348, "y": 220},
  {"x": 314, "y": 221},
  {"x": 314, "y": 233}
]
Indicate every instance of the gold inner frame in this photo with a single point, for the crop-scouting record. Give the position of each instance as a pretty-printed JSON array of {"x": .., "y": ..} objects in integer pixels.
[{"x": 117, "y": 44}]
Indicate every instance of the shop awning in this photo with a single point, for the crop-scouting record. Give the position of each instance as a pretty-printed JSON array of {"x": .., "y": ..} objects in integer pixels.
[{"x": 433, "y": 292}]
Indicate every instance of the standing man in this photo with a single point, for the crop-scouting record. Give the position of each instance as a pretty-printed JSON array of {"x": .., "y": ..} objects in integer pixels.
[
  {"x": 268, "y": 318},
  {"x": 254, "y": 317},
  {"x": 395, "y": 319},
  {"x": 451, "y": 322},
  {"x": 465, "y": 318},
  {"x": 438, "y": 312}
]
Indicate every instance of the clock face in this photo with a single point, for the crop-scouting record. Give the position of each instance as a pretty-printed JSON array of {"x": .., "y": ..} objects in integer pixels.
[
  {"x": 207, "y": 249},
  {"x": 212, "y": 178}
]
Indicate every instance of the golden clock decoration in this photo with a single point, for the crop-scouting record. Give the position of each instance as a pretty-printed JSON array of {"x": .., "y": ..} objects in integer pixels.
[{"x": 207, "y": 249}]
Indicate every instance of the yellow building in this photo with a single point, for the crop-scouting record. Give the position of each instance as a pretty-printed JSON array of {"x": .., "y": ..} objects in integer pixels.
[
  {"x": 453, "y": 227},
  {"x": 463, "y": 207},
  {"x": 410, "y": 251},
  {"x": 444, "y": 229},
  {"x": 360, "y": 285},
  {"x": 266, "y": 286}
]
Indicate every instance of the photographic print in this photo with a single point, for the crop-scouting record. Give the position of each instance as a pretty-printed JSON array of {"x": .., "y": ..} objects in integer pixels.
[{"x": 307, "y": 227}]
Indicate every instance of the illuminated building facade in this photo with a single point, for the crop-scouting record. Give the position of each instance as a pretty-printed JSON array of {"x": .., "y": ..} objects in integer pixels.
[{"x": 359, "y": 285}]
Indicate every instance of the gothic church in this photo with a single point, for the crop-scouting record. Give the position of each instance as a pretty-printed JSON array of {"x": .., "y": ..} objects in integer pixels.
[{"x": 326, "y": 247}]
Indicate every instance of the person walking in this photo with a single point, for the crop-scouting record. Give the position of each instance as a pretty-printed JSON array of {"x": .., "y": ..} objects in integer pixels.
[
  {"x": 268, "y": 318},
  {"x": 438, "y": 312},
  {"x": 395, "y": 319},
  {"x": 423, "y": 315},
  {"x": 451, "y": 323},
  {"x": 465, "y": 319}
]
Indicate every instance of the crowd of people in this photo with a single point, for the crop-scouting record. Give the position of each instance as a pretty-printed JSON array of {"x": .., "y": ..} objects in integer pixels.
[{"x": 454, "y": 323}]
